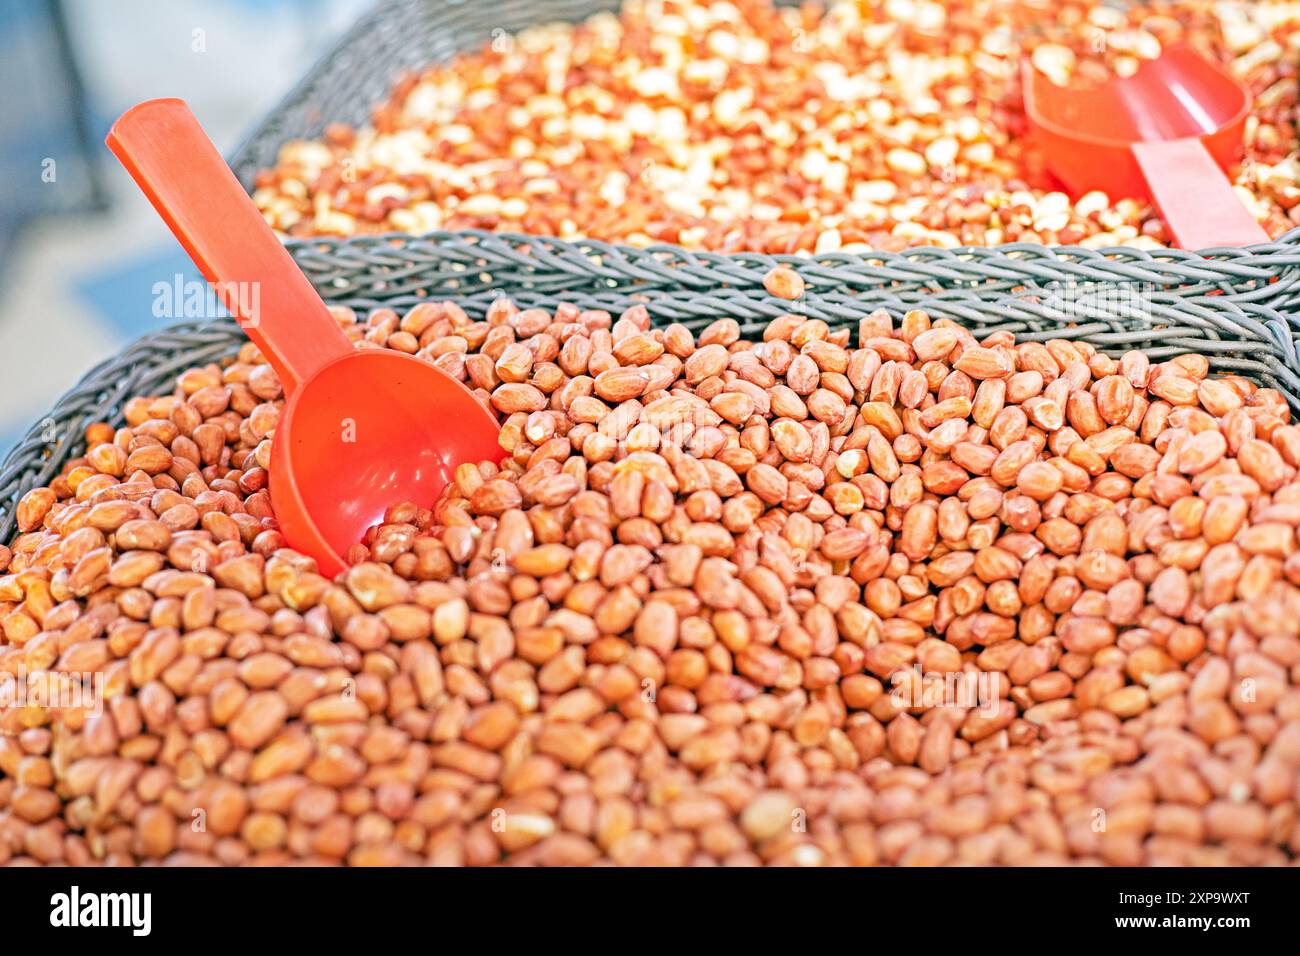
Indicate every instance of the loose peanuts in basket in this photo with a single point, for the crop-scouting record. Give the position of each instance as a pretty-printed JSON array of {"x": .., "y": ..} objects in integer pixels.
[
  {"x": 850, "y": 126},
  {"x": 724, "y": 601}
]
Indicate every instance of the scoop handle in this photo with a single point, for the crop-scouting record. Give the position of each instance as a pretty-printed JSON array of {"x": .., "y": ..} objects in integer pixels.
[
  {"x": 163, "y": 147},
  {"x": 1194, "y": 196}
]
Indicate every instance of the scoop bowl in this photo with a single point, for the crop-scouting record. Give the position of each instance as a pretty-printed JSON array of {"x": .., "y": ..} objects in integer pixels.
[{"x": 369, "y": 429}]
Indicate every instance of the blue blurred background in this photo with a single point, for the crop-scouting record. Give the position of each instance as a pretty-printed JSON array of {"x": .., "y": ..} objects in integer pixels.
[{"x": 80, "y": 248}]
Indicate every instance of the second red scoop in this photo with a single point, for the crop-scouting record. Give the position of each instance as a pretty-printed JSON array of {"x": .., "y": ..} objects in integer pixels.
[
  {"x": 1166, "y": 133},
  {"x": 361, "y": 429}
]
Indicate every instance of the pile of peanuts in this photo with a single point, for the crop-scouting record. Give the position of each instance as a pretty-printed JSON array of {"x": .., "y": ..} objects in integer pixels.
[
  {"x": 886, "y": 595},
  {"x": 733, "y": 126}
]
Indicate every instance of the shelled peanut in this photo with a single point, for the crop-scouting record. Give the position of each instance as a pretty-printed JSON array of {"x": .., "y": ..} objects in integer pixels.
[
  {"x": 711, "y": 608},
  {"x": 743, "y": 126}
]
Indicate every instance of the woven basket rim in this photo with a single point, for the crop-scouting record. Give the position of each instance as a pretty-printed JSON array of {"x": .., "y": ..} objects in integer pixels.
[{"x": 1283, "y": 250}]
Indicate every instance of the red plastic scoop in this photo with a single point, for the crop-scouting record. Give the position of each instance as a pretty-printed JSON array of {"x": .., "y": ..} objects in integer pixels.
[
  {"x": 361, "y": 429},
  {"x": 1166, "y": 133}
]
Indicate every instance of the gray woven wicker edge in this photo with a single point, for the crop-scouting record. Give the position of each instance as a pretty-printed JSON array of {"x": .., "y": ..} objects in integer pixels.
[{"x": 1233, "y": 306}]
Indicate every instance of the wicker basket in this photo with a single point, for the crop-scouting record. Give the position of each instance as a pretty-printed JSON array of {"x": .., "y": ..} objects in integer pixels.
[{"x": 1166, "y": 303}]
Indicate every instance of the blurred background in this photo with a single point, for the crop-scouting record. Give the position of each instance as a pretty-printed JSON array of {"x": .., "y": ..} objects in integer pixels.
[{"x": 80, "y": 247}]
